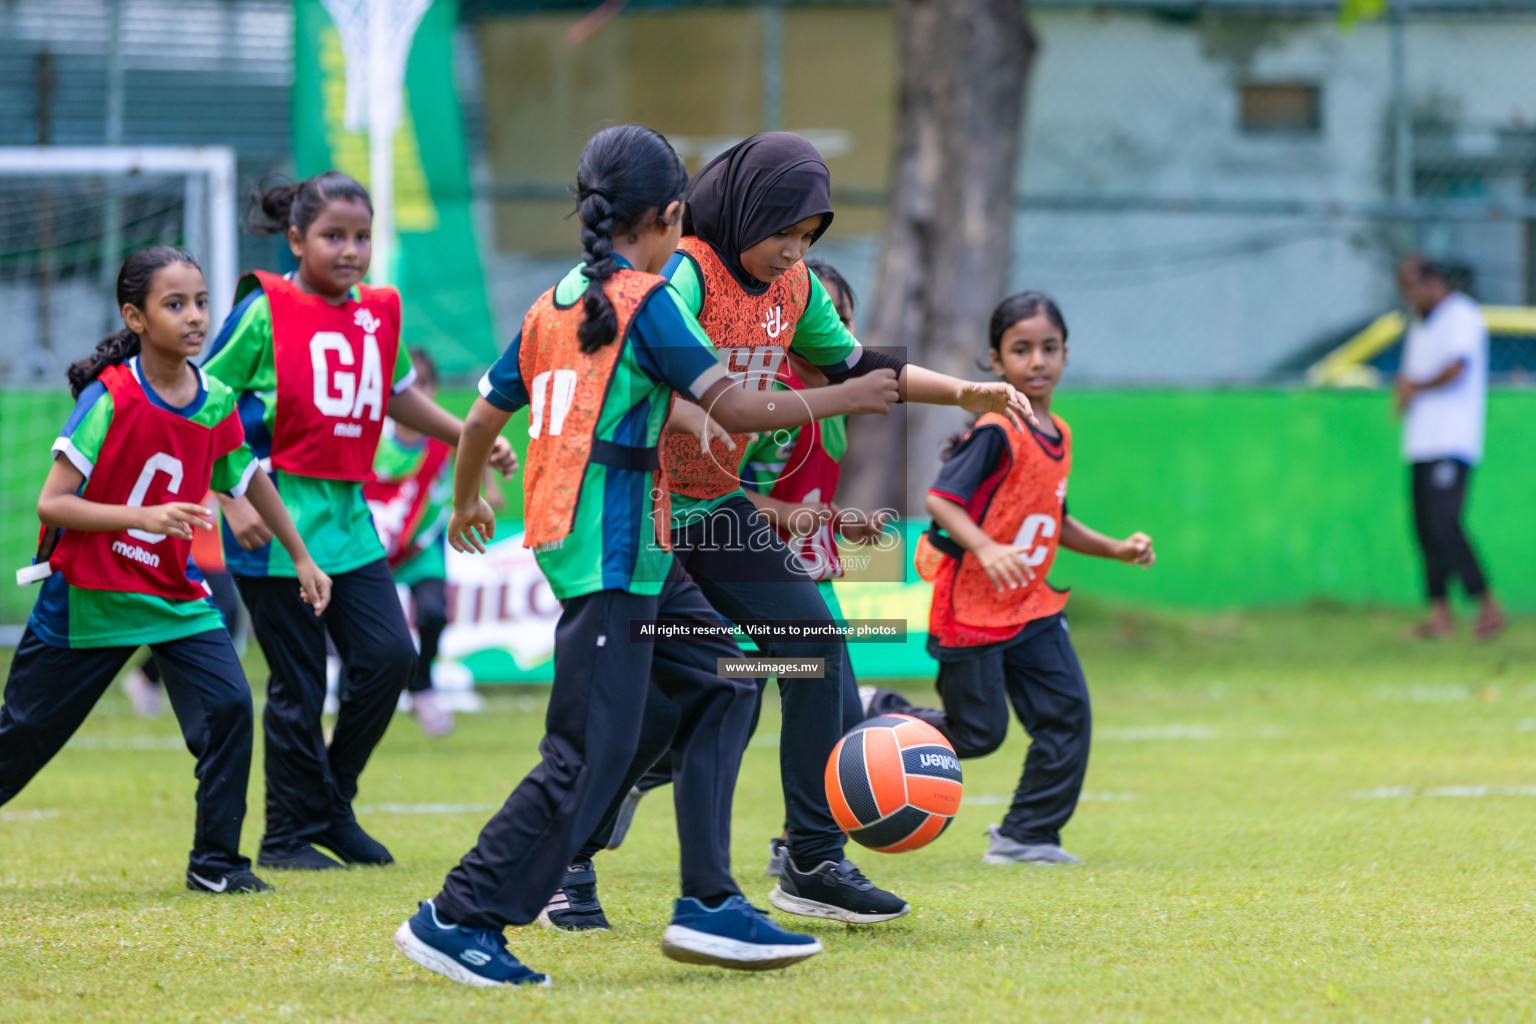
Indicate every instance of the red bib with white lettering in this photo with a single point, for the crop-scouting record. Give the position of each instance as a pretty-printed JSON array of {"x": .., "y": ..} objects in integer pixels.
[
  {"x": 150, "y": 456},
  {"x": 335, "y": 367}
]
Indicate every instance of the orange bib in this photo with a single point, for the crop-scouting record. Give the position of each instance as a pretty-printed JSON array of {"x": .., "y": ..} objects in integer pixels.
[
  {"x": 1023, "y": 510},
  {"x": 753, "y": 334},
  {"x": 566, "y": 391}
]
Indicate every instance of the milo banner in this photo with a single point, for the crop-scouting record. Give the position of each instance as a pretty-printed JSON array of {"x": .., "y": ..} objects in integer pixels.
[{"x": 439, "y": 273}]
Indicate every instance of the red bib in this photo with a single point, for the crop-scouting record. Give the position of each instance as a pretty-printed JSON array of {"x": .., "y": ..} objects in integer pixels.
[
  {"x": 150, "y": 456},
  {"x": 810, "y": 474},
  {"x": 335, "y": 367},
  {"x": 399, "y": 506}
]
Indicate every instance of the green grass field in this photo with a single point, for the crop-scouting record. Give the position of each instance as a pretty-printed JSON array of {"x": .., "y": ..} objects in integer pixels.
[{"x": 1289, "y": 816}]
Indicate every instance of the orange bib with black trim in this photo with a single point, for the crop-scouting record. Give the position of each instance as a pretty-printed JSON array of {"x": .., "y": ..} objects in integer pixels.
[
  {"x": 1021, "y": 507},
  {"x": 753, "y": 335},
  {"x": 566, "y": 391}
]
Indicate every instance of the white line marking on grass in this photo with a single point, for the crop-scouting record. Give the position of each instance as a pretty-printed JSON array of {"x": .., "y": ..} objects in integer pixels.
[
  {"x": 27, "y": 815},
  {"x": 426, "y": 808},
  {"x": 128, "y": 743},
  {"x": 1157, "y": 732},
  {"x": 1425, "y": 694},
  {"x": 1465, "y": 792},
  {"x": 983, "y": 799}
]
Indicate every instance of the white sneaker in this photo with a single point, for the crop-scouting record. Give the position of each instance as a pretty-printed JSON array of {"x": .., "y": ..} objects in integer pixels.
[
  {"x": 1003, "y": 850},
  {"x": 147, "y": 700},
  {"x": 434, "y": 721}
]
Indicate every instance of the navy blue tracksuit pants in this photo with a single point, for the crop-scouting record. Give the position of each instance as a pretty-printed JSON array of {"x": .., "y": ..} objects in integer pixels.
[
  {"x": 52, "y": 689},
  {"x": 310, "y": 786},
  {"x": 593, "y": 731},
  {"x": 1040, "y": 676}
]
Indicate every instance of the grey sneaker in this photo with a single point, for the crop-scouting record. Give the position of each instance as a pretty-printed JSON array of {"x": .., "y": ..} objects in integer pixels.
[
  {"x": 778, "y": 849},
  {"x": 1002, "y": 850},
  {"x": 626, "y": 818}
]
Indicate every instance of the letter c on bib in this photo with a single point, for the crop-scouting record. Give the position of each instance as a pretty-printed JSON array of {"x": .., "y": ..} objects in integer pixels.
[{"x": 160, "y": 462}]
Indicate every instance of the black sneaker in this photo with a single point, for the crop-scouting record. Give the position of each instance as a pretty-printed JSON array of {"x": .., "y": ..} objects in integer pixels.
[
  {"x": 625, "y": 818},
  {"x": 574, "y": 906},
  {"x": 295, "y": 857},
  {"x": 240, "y": 880},
  {"x": 347, "y": 840},
  {"x": 835, "y": 891}
]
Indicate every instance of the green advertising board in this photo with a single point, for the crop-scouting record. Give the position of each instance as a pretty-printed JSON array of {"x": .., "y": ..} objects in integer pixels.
[{"x": 441, "y": 280}]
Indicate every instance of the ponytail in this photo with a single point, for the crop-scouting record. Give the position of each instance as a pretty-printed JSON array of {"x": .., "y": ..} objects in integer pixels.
[
  {"x": 133, "y": 284},
  {"x": 296, "y": 204},
  {"x": 111, "y": 350},
  {"x": 625, "y": 172}
]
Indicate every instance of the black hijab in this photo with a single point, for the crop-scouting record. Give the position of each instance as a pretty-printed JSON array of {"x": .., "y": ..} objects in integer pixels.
[{"x": 754, "y": 190}]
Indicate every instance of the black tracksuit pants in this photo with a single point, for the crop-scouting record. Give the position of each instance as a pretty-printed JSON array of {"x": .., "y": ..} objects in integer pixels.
[
  {"x": 747, "y": 573},
  {"x": 310, "y": 786},
  {"x": 430, "y": 600},
  {"x": 51, "y": 690},
  {"x": 225, "y": 598},
  {"x": 593, "y": 728},
  {"x": 1040, "y": 676},
  {"x": 1439, "y": 495},
  {"x": 659, "y": 715}
]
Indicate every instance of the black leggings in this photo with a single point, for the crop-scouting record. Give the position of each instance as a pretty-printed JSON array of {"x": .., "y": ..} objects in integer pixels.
[{"x": 1439, "y": 493}]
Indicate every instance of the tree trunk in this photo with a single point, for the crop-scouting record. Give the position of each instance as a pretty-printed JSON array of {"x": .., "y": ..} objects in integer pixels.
[{"x": 944, "y": 259}]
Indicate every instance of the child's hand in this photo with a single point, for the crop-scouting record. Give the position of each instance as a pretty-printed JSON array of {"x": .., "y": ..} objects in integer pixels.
[
  {"x": 175, "y": 519},
  {"x": 1003, "y": 564},
  {"x": 860, "y": 527},
  {"x": 687, "y": 418},
  {"x": 1136, "y": 550},
  {"x": 250, "y": 530},
  {"x": 314, "y": 585},
  {"x": 469, "y": 528},
  {"x": 804, "y": 518},
  {"x": 503, "y": 459},
  {"x": 872, "y": 393},
  {"x": 1001, "y": 397}
]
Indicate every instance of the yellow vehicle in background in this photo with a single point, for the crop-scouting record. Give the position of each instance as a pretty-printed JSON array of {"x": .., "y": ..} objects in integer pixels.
[{"x": 1370, "y": 358}]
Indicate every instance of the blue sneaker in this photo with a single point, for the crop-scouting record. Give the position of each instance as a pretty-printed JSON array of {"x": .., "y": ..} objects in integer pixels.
[
  {"x": 735, "y": 934},
  {"x": 469, "y": 956}
]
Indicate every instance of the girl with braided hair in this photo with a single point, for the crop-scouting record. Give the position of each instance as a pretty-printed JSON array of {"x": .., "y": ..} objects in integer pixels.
[
  {"x": 149, "y": 431},
  {"x": 598, "y": 361},
  {"x": 315, "y": 357}
]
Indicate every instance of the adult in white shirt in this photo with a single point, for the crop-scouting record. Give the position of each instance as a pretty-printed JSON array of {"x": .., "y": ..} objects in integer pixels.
[{"x": 1442, "y": 394}]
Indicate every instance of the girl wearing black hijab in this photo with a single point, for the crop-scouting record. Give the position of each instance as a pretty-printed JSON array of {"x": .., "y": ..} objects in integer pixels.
[{"x": 751, "y": 215}]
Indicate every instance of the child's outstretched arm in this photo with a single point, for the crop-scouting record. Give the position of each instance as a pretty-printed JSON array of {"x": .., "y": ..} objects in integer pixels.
[
  {"x": 686, "y": 418},
  {"x": 920, "y": 384},
  {"x": 1001, "y": 562},
  {"x": 1134, "y": 550},
  {"x": 314, "y": 585},
  {"x": 473, "y": 521},
  {"x": 60, "y": 504},
  {"x": 412, "y": 408},
  {"x": 744, "y": 411}
]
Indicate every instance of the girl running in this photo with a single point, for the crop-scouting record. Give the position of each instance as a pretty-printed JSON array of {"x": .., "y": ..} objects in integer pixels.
[
  {"x": 791, "y": 476},
  {"x": 999, "y": 510},
  {"x": 148, "y": 430},
  {"x": 752, "y": 214},
  {"x": 315, "y": 358},
  {"x": 597, "y": 362}
]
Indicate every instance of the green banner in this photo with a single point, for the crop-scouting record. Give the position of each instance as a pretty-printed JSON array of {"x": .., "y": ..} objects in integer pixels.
[{"x": 442, "y": 284}]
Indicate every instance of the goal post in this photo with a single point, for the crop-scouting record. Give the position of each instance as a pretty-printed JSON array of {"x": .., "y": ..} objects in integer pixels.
[{"x": 209, "y": 217}]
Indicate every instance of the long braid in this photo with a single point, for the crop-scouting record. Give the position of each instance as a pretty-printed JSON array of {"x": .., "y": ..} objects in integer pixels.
[{"x": 600, "y": 323}]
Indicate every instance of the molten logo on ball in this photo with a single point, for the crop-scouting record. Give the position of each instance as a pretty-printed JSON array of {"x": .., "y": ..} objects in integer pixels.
[{"x": 893, "y": 783}]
